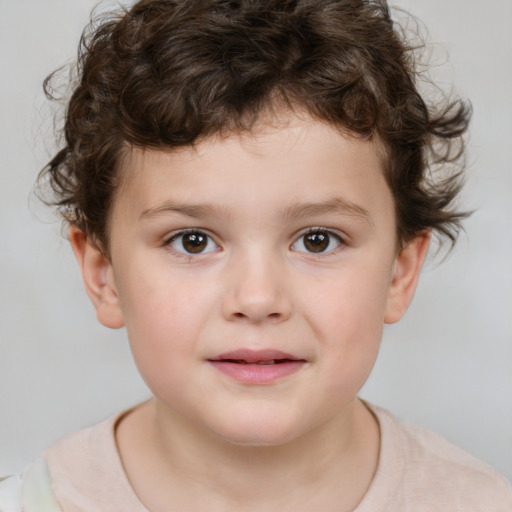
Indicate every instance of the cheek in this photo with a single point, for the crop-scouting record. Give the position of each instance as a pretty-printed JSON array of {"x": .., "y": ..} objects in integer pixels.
[
  {"x": 164, "y": 323},
  {"x": 350, "y": 303},
  {"x": 348, "y": 319}
]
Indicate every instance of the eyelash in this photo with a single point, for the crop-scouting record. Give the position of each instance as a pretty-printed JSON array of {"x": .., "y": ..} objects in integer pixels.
[
  {"x": 186, "y": 254},
  {"x": 314, "y": 230},
  {"x": 320, "y": 230}
]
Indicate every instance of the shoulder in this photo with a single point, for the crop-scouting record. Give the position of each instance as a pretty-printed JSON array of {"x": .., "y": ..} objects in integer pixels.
[
  {"x": 87, "y": 472},
  {"x": 455, "y": 474},
  {"x": 436, "y": 472},
  {"x": 80, "y": 449},
  {"x": 76, "y": 473}
]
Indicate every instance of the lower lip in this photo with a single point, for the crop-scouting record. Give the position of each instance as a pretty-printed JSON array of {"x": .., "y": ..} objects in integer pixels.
[{"x": 258, "y": 373}]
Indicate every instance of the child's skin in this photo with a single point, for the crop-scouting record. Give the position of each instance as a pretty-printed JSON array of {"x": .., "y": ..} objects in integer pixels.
[{"x": 210, "y": 440}]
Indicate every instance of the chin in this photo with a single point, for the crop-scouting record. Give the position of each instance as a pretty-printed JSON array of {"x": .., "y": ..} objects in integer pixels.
[{"x": 259, "y": 432}]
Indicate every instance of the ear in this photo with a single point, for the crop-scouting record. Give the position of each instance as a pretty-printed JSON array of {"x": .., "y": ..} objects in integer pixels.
[
  {"x": 98, "y": 277},
  {"x": 406, "y": 272}
]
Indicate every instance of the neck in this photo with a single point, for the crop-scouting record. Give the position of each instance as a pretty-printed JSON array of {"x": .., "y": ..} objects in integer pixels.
[{"x": 333, "y": 462}]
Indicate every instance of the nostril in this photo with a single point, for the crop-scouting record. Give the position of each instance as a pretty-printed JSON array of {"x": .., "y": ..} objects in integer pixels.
[
  {"x": 271, "y": 316},
  {"x": 252, "y": 307}
]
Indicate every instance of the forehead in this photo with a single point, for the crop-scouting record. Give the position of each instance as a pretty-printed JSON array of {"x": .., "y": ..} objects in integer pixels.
[{"x": 275, "y": 165}]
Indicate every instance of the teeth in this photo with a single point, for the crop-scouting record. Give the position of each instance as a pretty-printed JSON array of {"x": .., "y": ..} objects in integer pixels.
[{"x": 243, "y": 361}]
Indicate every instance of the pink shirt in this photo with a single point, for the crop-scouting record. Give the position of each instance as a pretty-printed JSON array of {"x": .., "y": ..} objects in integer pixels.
[{"x": 418, "y": 471}]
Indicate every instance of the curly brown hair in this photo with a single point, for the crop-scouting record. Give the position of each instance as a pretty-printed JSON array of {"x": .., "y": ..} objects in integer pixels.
[{"x": 168, "y": 73}]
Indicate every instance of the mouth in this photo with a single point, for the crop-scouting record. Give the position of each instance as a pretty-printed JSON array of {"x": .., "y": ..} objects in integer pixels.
[
  {"x": 257, "y": 367},
  {"x": 270, "y": 361}
]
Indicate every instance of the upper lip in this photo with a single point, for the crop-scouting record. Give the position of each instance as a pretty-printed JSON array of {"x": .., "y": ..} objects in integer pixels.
[{"x": 254, "y": 356}]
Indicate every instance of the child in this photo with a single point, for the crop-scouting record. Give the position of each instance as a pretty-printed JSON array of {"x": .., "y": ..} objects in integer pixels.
[{"x": 248, "y": 191}]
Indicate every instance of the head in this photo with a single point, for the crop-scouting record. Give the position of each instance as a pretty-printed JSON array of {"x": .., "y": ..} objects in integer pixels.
[
  {"x": 169, "y": 74},
  {"x": 289, "y": 141}
]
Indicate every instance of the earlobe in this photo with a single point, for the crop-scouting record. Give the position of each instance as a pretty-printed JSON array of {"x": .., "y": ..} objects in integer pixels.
[
  {"x": 406, "y": 273},
  {"x": 98, "y": 277}
]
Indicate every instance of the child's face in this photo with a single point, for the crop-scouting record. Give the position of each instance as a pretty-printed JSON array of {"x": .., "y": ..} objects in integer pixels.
[{"x": 281, "y": 241}]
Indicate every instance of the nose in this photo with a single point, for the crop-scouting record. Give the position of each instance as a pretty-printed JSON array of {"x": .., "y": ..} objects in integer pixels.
[{"x": 256, "y": 292}]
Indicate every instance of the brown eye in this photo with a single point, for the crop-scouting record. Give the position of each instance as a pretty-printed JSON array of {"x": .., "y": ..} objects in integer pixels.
[
  {"x": 319, "y": 241},
  {"x": 316, "y": 242},
  {"x": 193, "y": 242}
]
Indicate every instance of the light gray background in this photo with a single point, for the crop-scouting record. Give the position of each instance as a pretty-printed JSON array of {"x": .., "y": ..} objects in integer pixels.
[{"x": 446, "y": 366}]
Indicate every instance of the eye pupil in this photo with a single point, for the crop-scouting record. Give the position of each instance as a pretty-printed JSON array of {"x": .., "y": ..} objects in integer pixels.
[
  {"x": 194, "y": 242},
  {"x": 316, "y": 242}
]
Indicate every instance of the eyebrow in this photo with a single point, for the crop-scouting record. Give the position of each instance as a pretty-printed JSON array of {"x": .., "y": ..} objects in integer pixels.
[
  {"x": 191, "y": 210},
  {"x": 297, "y": 210},
  {"x": 336, "y": 205}
]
